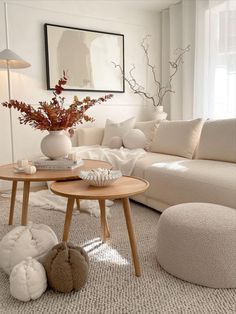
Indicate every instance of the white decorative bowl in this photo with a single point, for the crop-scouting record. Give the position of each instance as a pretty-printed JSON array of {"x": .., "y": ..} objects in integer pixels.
[{"x": 100, "y": 177}]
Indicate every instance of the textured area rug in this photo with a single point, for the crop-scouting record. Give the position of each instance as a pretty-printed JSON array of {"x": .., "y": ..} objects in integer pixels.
[{"x": 112, "y": 287}]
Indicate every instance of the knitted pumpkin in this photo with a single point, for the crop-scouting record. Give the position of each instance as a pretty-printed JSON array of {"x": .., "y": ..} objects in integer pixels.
[
  {"x": 28, "y": 280},
  {"x": 32, "y": 240},
  {"x": 67, "y": 267}
]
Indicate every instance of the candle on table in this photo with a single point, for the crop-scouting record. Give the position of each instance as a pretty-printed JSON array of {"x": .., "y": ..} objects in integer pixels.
[
  {"x": 73, "y": 156},
  {"x": 22, "y": 163}
]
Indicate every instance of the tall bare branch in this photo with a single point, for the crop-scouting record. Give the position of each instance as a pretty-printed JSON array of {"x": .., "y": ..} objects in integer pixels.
[{"x": 161, "y": 90}]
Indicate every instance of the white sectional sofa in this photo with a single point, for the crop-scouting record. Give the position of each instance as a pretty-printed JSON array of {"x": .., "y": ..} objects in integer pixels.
[{"x": 208, "y": 175}]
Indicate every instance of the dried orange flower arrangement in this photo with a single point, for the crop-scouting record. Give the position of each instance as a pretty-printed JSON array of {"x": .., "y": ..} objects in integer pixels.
[{"x": 53, "y": 116}]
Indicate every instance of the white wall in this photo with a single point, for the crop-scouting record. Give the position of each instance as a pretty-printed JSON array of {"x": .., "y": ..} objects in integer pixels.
[{"x": 26, "y": 19}]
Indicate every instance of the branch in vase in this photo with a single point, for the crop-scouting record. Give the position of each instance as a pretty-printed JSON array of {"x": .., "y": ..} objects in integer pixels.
[
  {"x": 161, "y": 90},
  {"x": 134, "y": 86},
  {"x": 152, "y": 67}
]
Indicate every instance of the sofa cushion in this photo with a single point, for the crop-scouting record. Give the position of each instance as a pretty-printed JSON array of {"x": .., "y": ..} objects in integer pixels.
[
  {"x": 150, "y": 159},
  {"x": 192, "y": 181},
  {"x": 218, "y": 140},
  {"x": 116, "y": 129},
  {"x": 177, "y": 137},
  {"x": 147, "y": 127},
  {"x": 89, "y": 136}
]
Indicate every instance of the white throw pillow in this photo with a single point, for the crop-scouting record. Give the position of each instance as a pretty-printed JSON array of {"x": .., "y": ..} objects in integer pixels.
[
  {"x": 147, "y": 127},
  {"x": 116, "y": 129},
  {"x": 32, "y": 240},
  {"x": 134, "y": 138},
  {"x": 28, "y": 280},
  {"x": 178, "y": 138},
  {"x": 115, "y": 142}
]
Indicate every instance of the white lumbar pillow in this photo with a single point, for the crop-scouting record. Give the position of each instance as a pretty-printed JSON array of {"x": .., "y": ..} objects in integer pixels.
[
  {"x": 115, "y": 142},
  {"x": 28, "y": 280},
  {"x": 134, "y": 138},
  {"x": 32, "y": 240},
  {"x": 116, "y": 129}
]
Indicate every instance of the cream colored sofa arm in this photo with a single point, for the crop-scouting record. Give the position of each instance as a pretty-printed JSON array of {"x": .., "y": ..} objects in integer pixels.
[{"x": 89, "y": 136}]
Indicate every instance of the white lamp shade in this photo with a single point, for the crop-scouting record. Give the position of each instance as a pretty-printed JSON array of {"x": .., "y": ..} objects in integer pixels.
[{"x": 12, "y": 60}]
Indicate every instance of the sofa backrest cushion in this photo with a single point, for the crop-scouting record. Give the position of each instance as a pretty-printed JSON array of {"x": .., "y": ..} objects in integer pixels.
[
  {"x": 178, "y": 138},
  {"x": 218, "y": 140},
  {"x": 89, "y": 136},
  {"x": 116, "y": 129},
  {"x": 147, "y": 127}
]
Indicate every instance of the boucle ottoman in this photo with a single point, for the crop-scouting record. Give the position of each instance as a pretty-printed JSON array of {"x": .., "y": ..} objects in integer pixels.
[{"x": 196, "y": 242}]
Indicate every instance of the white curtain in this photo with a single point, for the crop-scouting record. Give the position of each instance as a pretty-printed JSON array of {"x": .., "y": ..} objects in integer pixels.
[
  {"x": 215, "y": 59},
  {"x": 205, "y": 84},
  {"x": 178, "y": 32}
]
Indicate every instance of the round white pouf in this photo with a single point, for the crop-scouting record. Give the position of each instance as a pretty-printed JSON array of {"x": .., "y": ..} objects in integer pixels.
[
  {"x": 32, "y": 240},
  {"x": 197, "y": 243},
  {"x": 28, "y": 280},
  {"x": 134, "y": 138}
]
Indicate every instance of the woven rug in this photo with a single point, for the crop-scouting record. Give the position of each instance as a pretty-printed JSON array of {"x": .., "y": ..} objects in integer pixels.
[{"x": 112, "y": 287}]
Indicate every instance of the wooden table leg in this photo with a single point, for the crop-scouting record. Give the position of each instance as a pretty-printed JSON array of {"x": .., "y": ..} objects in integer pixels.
[
  {"x": 78, "y": 203},
  {"x": 132, "y": 240},
  {"x": 104, "y": 225},
  {"x": 24, "y": 213},
  {"x": 13, "y": 199},
  {"x": 69, "y": 212}
]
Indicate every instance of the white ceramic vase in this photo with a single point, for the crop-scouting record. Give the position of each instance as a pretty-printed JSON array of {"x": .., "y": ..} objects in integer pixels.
[
  {"x": 159, "y": 114},
  {"x": 56, "y": 145}
]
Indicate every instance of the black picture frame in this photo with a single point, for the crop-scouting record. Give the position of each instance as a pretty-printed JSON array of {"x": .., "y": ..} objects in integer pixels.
[{"x": 65, "y": 47}]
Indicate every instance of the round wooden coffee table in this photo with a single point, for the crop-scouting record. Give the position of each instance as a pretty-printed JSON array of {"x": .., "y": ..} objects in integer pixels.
[
  {"x": 7, "y": 172},
  {"x": 120, "y": 189}
]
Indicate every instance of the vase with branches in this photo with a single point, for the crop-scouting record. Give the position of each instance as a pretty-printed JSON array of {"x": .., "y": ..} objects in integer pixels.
[
  {"x": 161, "y": 90},
  {"x": 56, "y": 118}
]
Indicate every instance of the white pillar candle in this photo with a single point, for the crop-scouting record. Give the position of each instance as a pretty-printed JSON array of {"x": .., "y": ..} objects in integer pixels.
[
  {"x": 22, "y": 163},
  {"x": 73, "y": 156}
]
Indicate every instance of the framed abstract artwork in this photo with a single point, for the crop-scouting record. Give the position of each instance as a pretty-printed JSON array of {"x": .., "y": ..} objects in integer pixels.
[{"x": 86, "y": 56}]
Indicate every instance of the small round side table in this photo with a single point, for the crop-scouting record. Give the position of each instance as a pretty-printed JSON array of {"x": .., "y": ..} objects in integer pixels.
[{"x": 122, "y": 189}]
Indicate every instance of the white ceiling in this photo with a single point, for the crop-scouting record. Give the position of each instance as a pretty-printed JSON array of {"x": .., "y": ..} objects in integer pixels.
[{"x": 151, "y": 5}]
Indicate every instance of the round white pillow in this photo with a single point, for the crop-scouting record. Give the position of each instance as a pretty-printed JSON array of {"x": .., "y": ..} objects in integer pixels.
[
  {"x": 32, "y": 240},
  {"x": 28, "y": 280},
  {"x": 115, "y": 142},
  {"x": 134, "y": 138}
]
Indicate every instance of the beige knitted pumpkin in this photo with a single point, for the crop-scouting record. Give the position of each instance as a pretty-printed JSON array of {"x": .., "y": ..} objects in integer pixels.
[
  {"x": 32, "y": 240},
  {"x": 28, "y": 280}
]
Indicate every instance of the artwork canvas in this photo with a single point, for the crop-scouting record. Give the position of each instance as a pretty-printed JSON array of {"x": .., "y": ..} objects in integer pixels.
[{"x": 87, "y": 56}]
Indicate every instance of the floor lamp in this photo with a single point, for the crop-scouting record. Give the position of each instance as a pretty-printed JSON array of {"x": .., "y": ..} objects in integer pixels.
[{"x": 10, "y": 60}]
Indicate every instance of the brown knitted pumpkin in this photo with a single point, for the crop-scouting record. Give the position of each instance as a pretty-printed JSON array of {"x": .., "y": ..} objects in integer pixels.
[{"x": 67, "y": 267}]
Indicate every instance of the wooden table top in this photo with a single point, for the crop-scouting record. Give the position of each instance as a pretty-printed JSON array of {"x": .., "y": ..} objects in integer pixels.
[
  {"x": 7, "y": 172},
  {"x": 121, "y": 188}
]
